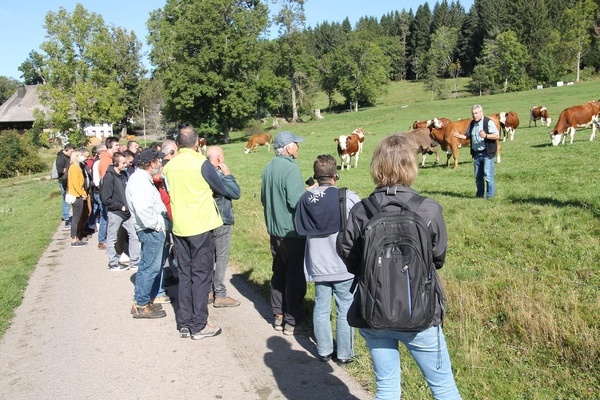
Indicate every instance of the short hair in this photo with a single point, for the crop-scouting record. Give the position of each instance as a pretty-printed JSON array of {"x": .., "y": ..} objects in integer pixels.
[
  {"x": 116, "y": 156},
  {"x": 110, "y": 141},
  {"x": 68, "y": 146},
  {"x": 129, "y": 153},
  {"x": 324, "y": 168},
  {"x": 394, "y": 162},
  {"x": 476, "y": 107},
  {"x": 129, "y": 143},
  {"x": 94, "y": 150},
  {"x": 100, "y": 148},
  {"x": 187, "y": 138}
]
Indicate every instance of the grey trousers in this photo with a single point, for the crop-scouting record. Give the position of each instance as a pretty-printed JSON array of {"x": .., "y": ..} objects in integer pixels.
[{"x": 112, "y": 231}]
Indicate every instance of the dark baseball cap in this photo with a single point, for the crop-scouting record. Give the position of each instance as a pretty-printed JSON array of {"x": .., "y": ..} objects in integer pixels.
[{"x": 150, "y": 154}]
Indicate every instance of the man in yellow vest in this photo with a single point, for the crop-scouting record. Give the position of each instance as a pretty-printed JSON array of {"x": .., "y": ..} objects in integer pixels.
[{"x": 192, "y": 180}]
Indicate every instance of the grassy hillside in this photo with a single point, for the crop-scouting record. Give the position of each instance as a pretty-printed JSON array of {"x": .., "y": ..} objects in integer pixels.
[{"x": 521, "y": 275}]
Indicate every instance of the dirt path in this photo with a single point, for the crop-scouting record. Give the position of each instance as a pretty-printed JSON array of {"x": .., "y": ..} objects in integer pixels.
[{"x": 73, "y": 338}]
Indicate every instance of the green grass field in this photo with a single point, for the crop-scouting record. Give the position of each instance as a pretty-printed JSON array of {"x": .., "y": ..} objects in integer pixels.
[{"x": 521, "y": 274}]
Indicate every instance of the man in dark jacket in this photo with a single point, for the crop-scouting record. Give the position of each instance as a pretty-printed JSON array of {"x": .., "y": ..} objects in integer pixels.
[
  {"x": 222, "y": 234},
  {"x": 63, "y": 160},
  {"x": 112, "y": 192}
]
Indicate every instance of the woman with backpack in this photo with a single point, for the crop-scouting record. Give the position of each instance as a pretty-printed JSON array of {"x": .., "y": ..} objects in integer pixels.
[{"x": 386, "y": 308}]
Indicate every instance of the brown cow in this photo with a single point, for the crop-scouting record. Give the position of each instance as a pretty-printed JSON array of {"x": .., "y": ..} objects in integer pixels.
[
  {"x": 420, "y": 124},
  {"x": 445, "y": 136},
  {"x": 347, "y": 146},
  {"x": 540, "y": 113},
  {"x": 423, "y": 143},
  {"x": 360, "y": 132},
  {"x": 573, "y": 117},
  {"x": 260, "y": 139},
  {"x": 509, "y": 121}
]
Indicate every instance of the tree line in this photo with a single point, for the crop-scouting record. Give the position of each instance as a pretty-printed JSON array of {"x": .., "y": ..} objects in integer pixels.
[{"x": 214, "y": 66}]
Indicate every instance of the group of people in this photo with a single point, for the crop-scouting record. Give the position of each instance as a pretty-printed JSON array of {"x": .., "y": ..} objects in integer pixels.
[
  {"x": 170, "y": 207},
  {"x": 175, "y": 204},
  {"x": 316, "y": 235}
]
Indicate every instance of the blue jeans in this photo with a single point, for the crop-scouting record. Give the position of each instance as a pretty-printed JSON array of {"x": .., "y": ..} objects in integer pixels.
[
  {"x": 344, "y": 333},
  {"x": 222, "y": 239},
  {"x": 99, "y": 210},
  {"x": 484, "y": 173},
  {"x": 147, "y": 278},
  {"x": 65, "y": 205},
  {"x": 429, "y": 350}
]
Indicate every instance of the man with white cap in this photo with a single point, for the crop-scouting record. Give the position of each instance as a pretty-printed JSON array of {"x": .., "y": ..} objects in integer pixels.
[{"x": 282, "y": 186}]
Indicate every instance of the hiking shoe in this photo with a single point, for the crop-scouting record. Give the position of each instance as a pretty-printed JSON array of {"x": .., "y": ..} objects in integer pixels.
[
  {"x": 78, "y": 243},
  {"x": 208, "y": 331},
  {"x": 211, "y": 298},
  {"x": 101, "y": 246},
  {"x": 184, "y": 333},
  {"x": 278, "y": 322},
  {"x": 300, "y": 329},
  {"x": 221, "y": 302},
  {"x": 164, "y": 299},
  {"x": 119, "y": 267},
  {"x": 147, "y": 311},
  {"x": 154, "y": 306}
]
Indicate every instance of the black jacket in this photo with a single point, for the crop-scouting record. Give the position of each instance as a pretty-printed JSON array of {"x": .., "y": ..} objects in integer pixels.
[
  {"x": 62, "y": 166},
  {"x": 112, "y": 192}
]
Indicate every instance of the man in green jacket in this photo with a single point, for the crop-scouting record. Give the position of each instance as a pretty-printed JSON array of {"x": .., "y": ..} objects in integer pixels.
[{"x": 281, "y": 188}]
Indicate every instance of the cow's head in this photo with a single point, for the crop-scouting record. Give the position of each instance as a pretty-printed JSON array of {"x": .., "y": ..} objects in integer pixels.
[
  {"x": 342, "y": 139},
  {"x": 246, "y": 150},
  {"x": 502, "y": 117},
  {"x": 555, "y": 137},
  {"x": 437, "y": 124}
]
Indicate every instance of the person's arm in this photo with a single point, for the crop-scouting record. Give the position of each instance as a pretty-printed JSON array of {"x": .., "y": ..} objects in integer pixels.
[
  {"x": 295, "y": 187},
  {"x": 233, "y": 189},
  {"x": 492, "y": 132},
  {"x": 209, "y": 173},
  {"x": 349, "y": 246}
]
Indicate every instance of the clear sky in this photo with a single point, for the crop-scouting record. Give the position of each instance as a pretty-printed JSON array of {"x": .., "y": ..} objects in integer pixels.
[{"x": 21, "y": 26}]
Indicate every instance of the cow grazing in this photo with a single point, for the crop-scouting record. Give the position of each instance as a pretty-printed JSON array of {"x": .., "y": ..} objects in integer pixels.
[
  {"x": 445, "y": 136},
  {"x": 540, "y": 113},
  {"x": 347, "y": 146},
  {"x": 423, "y": 143},
  {"x": 260, "y": 139},
  {"x": 573, "y": 117},
  {"x": 509, "y": 122},
  {"x": 360, "y": 132}
]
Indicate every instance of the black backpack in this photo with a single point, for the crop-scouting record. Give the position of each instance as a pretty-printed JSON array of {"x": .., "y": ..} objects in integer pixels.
[{"x": 398, "y": 283}]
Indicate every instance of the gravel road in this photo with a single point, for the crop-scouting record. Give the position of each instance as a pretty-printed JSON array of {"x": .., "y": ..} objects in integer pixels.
[{"x": 74, "y": 338}]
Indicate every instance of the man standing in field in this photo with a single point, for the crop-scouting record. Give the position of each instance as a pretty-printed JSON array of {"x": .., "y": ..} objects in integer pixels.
[
  {"x": 484, "y": 144},
  {"x": 281, "y": 189}
]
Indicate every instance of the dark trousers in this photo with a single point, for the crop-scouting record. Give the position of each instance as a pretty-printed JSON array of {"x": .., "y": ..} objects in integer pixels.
[
  {"x": 288, "y": 284},
  {"x": 195, "y": 258},
  {"x": 78, "y": 209}
]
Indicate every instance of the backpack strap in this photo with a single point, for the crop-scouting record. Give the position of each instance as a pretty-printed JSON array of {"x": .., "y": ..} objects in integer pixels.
[
  {"x": 343, "y": 213},
  {"x": 415, "y": 202}
]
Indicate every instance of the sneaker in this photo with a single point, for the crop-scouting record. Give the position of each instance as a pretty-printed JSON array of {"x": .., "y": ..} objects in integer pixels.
[
  {"x": 119, "y": 267},
  {"x": 101, "y": 246},
  {"x": 326, "y": 358},
  {"x": 67, "y": 224},
  {"x": 78, "y": 243},
  {"x": 147, "y": 311},
  {"x": 184, "y": 333},
  {"x": 211, "y": 298},
  {"x": 278, "y": 322},
  {"x": 208, "y": 331},
  {"x": 343, "y": 361},
  {"x": 164, "y": 299},
  {"x": 221, "y": 302},
  {"x": 300, "y": 329},
  {"x": 132, "y": 266}
]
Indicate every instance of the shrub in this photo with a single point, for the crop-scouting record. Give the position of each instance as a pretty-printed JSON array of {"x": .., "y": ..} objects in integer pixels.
[{"x": 18, "y": 155}]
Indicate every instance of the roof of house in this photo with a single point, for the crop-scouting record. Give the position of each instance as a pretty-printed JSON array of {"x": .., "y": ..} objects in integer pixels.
[{"x": 19, "y": 107}]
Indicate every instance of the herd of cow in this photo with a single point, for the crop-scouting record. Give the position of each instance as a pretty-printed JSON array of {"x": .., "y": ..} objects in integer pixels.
[{"x": 428, "y": 135}]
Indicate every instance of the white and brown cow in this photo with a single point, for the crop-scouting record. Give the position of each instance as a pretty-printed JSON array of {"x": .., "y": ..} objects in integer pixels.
[
  {"x": 423, "y": 143},
  {"x": 575, "y": 117},
  {"x": 260, "y": 139},
  {"x": 540, "y": 113},
  {"x": 509, "y": 122},
  {"x": 347, "y": 147},
  {"x": 420, "y": 124},
  {"x": 202, "y": 145},
  {"x": 360, "y": 132}
]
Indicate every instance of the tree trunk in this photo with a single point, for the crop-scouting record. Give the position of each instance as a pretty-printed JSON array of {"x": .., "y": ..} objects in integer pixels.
[
  {"x": 294, "y": 105},
  {"x": 578, "y": 64},
  {"x": 318, "y": 114},
  {"x": 225, "y": 131}
]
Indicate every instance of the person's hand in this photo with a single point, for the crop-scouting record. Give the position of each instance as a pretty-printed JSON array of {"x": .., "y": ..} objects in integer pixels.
[
  {"x": 223, "y": 168},
  {"x": 482, "y": 134}
]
